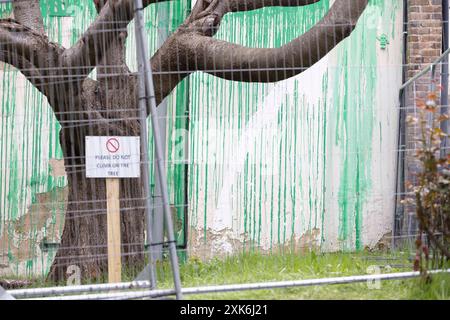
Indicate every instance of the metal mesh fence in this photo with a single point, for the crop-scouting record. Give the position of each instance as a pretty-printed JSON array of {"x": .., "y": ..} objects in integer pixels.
[
  {"x": 280, "y": 130},
  {"x": 428, "y": 88}
]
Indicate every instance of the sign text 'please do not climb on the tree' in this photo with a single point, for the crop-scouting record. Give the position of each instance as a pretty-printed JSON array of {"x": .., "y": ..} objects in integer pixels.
[{"x": 112, "y": 157}]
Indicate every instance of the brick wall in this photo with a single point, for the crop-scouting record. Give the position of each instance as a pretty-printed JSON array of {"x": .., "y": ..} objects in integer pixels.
[
  {"x": 424, "y": 34},
  {"x": 424, "y": 45}
]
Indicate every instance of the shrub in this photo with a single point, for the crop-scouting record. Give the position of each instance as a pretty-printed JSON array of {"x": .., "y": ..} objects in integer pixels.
[{"x": 431, "y": 190}]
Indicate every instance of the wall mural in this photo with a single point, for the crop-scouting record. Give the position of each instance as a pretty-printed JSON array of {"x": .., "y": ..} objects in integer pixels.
[{"x": 306, "y": 163}]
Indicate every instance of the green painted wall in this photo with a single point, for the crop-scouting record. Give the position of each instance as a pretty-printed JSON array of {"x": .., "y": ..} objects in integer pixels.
[
  {"x": 297, "y": 163},
  {"x": 292, "y": 163}
]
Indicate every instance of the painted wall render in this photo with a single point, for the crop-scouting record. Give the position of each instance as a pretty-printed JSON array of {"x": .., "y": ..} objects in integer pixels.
[{"x": 304, "y": 163}]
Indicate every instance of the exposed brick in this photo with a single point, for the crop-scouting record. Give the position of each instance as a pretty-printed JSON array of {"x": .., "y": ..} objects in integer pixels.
[{"x": 424, "y": 46}]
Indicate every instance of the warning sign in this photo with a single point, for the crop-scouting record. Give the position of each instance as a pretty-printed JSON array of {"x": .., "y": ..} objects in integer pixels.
[
  {"x": 112, "y": 145},
  {"x": 112, "y": 157}
]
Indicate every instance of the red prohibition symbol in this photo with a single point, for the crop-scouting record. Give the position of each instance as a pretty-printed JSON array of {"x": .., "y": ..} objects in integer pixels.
[{"x": 112, "y": 145}]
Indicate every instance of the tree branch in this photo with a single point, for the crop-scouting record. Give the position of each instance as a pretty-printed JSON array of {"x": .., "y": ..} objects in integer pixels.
[
  {"x": 237, "y": 5},
  {"x": 203, "y": 8},
  {"x": 88, "y": 52},
  {"x": 113, "y": 19},
  {"x": 30, "y": 52},
  {"x": 113, "y": 61},
  {"x": 239, "y": 63},
  {"x": 191, "y": 48},
  {"x": 28, "y": 13}
]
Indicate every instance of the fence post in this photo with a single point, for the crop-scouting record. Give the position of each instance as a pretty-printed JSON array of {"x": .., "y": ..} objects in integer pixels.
[{"x": 146, "y": 72}]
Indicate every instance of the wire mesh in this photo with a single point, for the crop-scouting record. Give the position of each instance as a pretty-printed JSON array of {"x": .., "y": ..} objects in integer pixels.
[
  {"x": 276, "y": 143},
  {"x": 417, "y": 92}
]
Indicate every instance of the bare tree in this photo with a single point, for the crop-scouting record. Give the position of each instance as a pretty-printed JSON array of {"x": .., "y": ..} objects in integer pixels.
[{"x": 84, "y": 106}]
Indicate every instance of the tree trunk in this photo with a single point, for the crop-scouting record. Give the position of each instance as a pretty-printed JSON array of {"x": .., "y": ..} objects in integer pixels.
[
  {"x": 109, "y": 109},
  {"x": 84, "y": 239}
]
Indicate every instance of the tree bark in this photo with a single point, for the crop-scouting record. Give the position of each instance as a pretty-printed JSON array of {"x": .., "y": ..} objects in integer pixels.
[
  {"x": 28, "y": 13},
  {"x": 84, "y": 240},
  {"x": 110, "y": 106}
]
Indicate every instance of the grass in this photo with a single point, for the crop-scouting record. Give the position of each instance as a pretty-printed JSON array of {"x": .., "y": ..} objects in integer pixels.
[
  {"x": 255, "y": 267},
  {"x": 249, "y": 268}
]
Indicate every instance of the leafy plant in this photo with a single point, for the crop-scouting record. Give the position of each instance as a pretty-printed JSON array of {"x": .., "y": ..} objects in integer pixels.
[{"x": 431, "y": 190}]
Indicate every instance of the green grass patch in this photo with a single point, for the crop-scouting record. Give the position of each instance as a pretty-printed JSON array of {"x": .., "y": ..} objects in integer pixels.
[
  {"x": 256, "y": 267},
  {"x": 253, "y": 267}
]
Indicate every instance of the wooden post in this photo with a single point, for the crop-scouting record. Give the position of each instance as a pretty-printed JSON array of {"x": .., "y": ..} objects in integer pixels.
[{"x": 113, "y": 222}]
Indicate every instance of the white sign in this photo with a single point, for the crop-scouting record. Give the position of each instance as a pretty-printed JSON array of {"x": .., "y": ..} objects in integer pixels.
[{"x": 113, "y": 157}]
